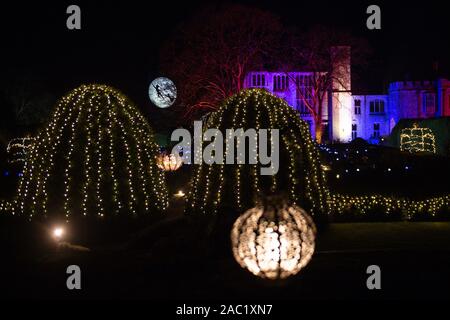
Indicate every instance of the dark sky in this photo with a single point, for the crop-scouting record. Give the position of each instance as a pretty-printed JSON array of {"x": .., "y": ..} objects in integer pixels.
[{"x": 119, "y": 41}]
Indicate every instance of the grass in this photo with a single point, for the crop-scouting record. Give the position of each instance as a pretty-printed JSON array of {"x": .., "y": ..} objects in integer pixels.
[
  {"x": 172, "y": 262},
  {"x": 386, "y": 235}
]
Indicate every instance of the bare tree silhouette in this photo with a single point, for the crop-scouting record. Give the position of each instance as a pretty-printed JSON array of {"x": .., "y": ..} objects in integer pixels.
[{"x": 209, "y": 55}]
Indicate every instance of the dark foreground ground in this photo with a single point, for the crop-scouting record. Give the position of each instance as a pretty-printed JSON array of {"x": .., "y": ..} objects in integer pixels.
[{"x": 414, "y": 259}]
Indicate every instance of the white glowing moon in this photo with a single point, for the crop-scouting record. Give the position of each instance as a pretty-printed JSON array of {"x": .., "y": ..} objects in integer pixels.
[{"x": 162, "y": 92}]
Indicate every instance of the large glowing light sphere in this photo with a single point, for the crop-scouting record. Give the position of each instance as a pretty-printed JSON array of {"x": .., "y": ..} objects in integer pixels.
[
  {"x": 273, "y": 241},
  {"x": 162, "y": 92}
]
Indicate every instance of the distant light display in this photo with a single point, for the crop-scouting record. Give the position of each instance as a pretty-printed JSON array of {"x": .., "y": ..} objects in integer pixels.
[
  {"x": 273, "y": 241},
  {"x": 18, "y": 148},
  {"x": 162, "y": 92},
  {"x": 417, "y": 139}
]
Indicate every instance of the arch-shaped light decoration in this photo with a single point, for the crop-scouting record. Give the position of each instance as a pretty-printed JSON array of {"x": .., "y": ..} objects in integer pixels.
[{"x": 273, "y": 241}]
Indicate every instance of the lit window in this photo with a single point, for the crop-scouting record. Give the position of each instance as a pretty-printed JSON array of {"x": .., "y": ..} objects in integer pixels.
[
  {"x": 377, "y": 106},
  {"x": 357, "y": 106},
  {"x": 429, "y": 100},
  {"x": 258, "y": 80},
  {"x": 304, "y": 93},
  {"x": 280, "y": 83},
  {"x": 376, "y": 130},
  {"x": 354, "y": 131}
]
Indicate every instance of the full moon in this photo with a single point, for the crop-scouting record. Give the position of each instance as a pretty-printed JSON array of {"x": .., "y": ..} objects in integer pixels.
[{"x": 162, "y": 92}]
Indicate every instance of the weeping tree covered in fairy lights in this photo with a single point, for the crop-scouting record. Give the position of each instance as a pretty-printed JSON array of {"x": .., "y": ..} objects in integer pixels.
[
  {"x": 240, "y": 186},
  {"x": 96, "y": 157}
]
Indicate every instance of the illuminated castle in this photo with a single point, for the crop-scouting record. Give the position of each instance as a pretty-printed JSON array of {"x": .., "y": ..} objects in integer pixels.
[{"x": 346, "y": 116}]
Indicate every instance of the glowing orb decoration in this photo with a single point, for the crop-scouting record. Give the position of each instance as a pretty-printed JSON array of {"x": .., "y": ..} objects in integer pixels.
[
  {"x": 417, "y": 139},
  {"x": 169, "y": 162},
  {"x": 273, "y": 241},
  {"x": 162, "y": 92}
]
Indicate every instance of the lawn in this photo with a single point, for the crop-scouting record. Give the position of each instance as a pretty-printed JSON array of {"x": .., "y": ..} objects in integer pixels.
[{"x": 414, "y": 259}]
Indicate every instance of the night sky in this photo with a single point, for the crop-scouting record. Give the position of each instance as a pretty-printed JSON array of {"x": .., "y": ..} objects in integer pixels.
[{"x": 119, "y": 41}]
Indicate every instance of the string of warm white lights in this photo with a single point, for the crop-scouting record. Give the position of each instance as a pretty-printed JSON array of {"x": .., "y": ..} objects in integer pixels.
[
  {"x": 240, "y": 185},
  {"x": 6, "y": 206},
  {"x": 417, "y": 140},
  {"x": 341, "y": 204},
  {"x": 96, "y": 156}
]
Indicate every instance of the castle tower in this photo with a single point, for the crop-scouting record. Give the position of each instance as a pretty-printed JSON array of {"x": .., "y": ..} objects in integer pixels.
[{"x": 341, "y": 102}]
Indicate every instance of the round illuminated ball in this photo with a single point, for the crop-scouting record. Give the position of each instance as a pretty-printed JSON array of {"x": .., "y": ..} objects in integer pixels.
[
  {"x": 169, "y": 162},
  {"x": 162, "y": 92},
  {"x": 273, "y": 241}
]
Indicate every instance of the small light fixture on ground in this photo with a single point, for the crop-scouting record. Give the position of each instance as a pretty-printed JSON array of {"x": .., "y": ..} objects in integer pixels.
[
  {"x": 58, "y": 233},
  {"x": 179, "y": 194}
]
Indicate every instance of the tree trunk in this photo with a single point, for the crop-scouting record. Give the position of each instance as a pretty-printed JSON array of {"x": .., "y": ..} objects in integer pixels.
[{"x": 318, "y": 131}]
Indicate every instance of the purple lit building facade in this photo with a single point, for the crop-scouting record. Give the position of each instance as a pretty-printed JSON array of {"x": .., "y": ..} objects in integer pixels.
[{"x": 347, "y": 116}]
